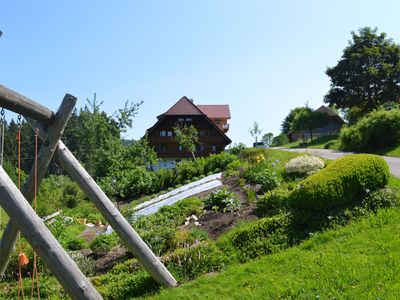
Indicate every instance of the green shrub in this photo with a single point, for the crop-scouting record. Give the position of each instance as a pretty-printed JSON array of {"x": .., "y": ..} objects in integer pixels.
[
  {"x": 342, "y": 182},
  {"x": 125, "y": 285},
  {"x": 381, "y": 198},
  {"x": 236, "y": 149},
  {"x": 248, "y": 241},
  {"x": 380, "y": 128},
  {"x": 272, "y": 201},
  {"x": 57, "y": 192},
  {"x": 187, "y": 169},
  {"x": 262, "y": 174},
  {"x": 127, "y": 183},
  {"x": 351, "y": 139},
  {"x": 188, "y": 263},
  {"x": 218, "y": 162},
  {"x": 162, "y": 179},
  {"x": 104, "y": 242},
  {"x": 74, "y": 243},
  {"x": 222, "y": 200},
  {"x": 250, "y": 154}
]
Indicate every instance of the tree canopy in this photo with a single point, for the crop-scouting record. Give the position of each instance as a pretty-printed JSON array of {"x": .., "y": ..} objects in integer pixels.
[
  {"x": 267, "y": 138},
  {"x": 368, "y": 73},
  {"x": 187, "y": 137},
  {"x": 309, "y": 119},
  {"x": 286, "y": 126}
]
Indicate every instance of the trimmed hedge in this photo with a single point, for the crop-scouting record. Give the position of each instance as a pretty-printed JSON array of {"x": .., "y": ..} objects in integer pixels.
[
  {"x": 344, "y": 181},
  {"x": 248, "y": 241},
  {"x": 380, "y": 128}
]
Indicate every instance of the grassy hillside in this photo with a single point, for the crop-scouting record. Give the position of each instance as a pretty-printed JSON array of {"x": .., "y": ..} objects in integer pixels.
[
  {"x": 323, "y": 142},
  {"x": 359, "y": 261}
]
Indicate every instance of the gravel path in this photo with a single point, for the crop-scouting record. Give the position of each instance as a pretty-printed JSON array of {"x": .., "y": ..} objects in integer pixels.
[{"x": 393, "y": 162}]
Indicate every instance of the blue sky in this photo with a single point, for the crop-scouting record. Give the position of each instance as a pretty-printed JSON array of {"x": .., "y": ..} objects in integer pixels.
[{"x": 263, "y": 58}]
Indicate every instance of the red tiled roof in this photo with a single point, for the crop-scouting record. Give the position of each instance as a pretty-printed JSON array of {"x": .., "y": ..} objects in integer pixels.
[
  {"x": 184, "y": 106},
  {"x": 216, "y": 111}
]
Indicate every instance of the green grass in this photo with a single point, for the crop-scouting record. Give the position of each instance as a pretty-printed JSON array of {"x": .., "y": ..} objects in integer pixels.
[
  {"x": 359, "y": 261},
  {"x": 323, "y": 142},
  {"x": 394, "y": 182},
  {"x": 3, "y": 220}
]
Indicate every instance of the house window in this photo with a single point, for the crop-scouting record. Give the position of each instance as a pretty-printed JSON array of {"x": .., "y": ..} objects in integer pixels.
[
  {"x": 169, "y": 133},
  {"x": 163, "y": 133},
  {"x": 202, "y": 133},
  {"x": 213, "y": 148},
  {"x": 160, "y": 148},
  {"x": 181, "y": 119},
  {"x": 188, "y": 119},
  {"x": 180, "y": 148},
  {"x": 200, "y": 148}
]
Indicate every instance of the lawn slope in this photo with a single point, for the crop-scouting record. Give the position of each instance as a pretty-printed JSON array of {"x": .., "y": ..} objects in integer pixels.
[{"x": 359, "y": 261}]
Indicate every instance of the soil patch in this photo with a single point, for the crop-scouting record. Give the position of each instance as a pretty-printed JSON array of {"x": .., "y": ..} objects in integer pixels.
[
  {"x": 216, "y": 223},
  {"x": 111, "y": 258}
]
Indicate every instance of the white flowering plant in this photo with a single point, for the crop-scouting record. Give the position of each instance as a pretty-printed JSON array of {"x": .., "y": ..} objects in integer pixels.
[{"x": 304, "y": 165}]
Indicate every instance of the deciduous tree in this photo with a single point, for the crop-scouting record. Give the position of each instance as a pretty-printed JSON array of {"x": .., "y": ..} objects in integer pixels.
[
  {"x": 187, "y": 137},
  {"x": 368, "y": 73},
  {"x": 255, "y": 131}
]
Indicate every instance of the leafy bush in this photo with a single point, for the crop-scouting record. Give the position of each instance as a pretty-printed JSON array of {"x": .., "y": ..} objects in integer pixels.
[
  {"x": 187, "y": 169},
  {"x": 248, "y": 241},
  {"x": 304, "y": 165},
  {"x": 161, "y": 179},
  {"x": 218, "y": 162},
  {"x": 57, "y": 192},
  {"x": 250, "y": 154},
  {"x": 381, "y": 198},
  {"x": 125, "y": 285},
  {"x": 263, "y": 175},
  {"x": 187, "y": 263},
  {"x": 104, "y": 242},
  {"x": 74, "y": 243},
  {"x": 272, "y": 201},
  {"x": 222, "y": 200},
  {"x": 380, "y": 128},
  {"x": 237, "y": 149},
  {"x": 127, "y": 183},
  {"x": 342, "y": 182}
]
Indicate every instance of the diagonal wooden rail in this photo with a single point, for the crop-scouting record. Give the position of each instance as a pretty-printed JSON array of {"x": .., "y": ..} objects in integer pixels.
[
  {"x": 43, "y": 242},
  {"x": 121, "y": 226},
  {"x": 46, "y": 152}
]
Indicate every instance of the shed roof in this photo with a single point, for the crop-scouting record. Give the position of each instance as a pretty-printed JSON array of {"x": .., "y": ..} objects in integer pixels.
[{"x": 218, "y": 111}]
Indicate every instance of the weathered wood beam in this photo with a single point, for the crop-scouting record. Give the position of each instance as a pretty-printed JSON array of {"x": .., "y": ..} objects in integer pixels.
[
  {"x": 43, "y": 242},
  {"x": 11, "y": 100},
  {"x": 22, "y": 105},
  {"x": 47, "y": 150},
  {"x": 108, "y": 210}
]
